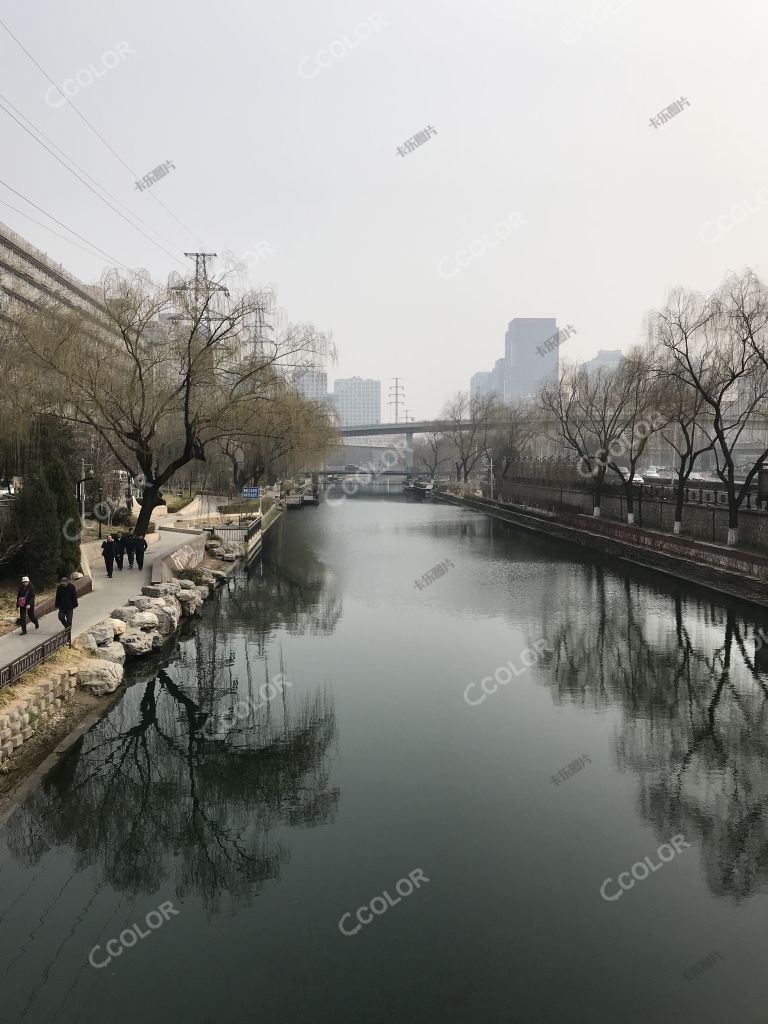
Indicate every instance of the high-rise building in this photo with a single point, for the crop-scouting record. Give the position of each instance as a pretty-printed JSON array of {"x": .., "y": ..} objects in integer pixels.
[
  {"x": 490, "y": 382},
  {"x": 480, "y": 384},
  {"x": 357, "y": 401},
  {"x": 498, "y": 374},
  {"x": 606, "y": 359},
  {"x": 531, "y": 353},
  {"x": 312, "y": 383}
]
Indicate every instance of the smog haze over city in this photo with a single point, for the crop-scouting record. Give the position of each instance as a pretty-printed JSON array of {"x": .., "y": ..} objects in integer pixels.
[{"x": 283, "y": 123}]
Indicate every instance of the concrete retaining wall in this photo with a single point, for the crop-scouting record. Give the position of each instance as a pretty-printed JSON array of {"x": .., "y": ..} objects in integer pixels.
[
  {"x": 21, "y": 717},
  {"x": 702, "y": 521},
  {"x": 740, "y": 575},
  {"x": 185, "y": 556}
]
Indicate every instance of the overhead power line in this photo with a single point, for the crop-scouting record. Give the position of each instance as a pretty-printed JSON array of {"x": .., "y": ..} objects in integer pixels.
[
  {"x": 95, "y": 131},
  {"x": 112, "y": 259},
  {"x": 53, "y": 231},
  {"x": 83, "y": 171},
  {"x": 89, "y": 187}
]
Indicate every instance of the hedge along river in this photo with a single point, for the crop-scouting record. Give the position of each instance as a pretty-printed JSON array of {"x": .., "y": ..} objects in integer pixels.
[{"x": 267, "y": 813}]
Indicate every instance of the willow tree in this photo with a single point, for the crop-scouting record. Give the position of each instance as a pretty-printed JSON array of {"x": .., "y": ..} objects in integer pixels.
[
  {"x": 717, "y": 347},
  {"x": 167, "y": 373}
]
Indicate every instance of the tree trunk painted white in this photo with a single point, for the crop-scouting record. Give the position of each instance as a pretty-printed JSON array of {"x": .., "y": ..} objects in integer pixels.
[
  {"x": 631, "y": 518},
  {"x": 733, "y": 536},
  {"x": 677, "y": 527},
  {"x": 596, "y": 511}
]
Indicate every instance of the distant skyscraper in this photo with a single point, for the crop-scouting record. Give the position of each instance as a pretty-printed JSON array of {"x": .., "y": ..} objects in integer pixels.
[
  {"x": 480, "y": 384},
  {"x": 489, "y": 382},
  {"x": 497, "y": 378},
  {"x": 312, "y": 383},
  {"x": 357, "y": 401},
  {"x": 607, "y": 359},
  {"x": 526, "y": 368}
]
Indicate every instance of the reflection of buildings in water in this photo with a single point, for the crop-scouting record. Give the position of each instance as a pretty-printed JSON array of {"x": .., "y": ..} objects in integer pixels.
[
  {"x": 150, "y": 796},
  {"x": 695, "y": 711}
]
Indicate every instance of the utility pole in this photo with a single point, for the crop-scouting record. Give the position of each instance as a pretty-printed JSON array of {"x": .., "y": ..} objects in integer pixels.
[{"x": 396, "y": 396}]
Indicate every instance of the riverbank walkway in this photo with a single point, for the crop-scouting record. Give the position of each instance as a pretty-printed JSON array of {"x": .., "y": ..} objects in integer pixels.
[{"x": 97, "y": 605}]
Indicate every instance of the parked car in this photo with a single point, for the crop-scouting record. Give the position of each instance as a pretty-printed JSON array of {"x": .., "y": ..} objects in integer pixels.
[{"x": 637, "y": 479}]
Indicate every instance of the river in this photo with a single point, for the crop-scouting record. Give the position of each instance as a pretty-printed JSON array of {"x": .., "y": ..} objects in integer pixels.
[{"x": 482, "y": 754}]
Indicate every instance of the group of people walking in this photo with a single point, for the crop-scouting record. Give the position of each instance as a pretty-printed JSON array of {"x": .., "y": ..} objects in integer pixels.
[{"x": 115, "y": 548}]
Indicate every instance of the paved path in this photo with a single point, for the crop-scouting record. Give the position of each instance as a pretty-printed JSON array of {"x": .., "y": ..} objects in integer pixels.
[{"x": 106, "y": 595}]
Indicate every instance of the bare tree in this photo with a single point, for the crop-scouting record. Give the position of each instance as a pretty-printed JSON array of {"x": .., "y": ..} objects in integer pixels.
[
  {"x": 714, "y": 347},
  {"x": 432, "y": 452},
  {"x": 470, "y": 423},
  {"x": 685, "y": 432},
  {"x": 167, "y": 373},
  {"x": 509, "y": 437},
  {"x": 605, "y": 418}
]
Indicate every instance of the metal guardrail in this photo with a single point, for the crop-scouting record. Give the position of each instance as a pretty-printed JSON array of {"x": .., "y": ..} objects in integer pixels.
[{"x": 34, "y": 656}]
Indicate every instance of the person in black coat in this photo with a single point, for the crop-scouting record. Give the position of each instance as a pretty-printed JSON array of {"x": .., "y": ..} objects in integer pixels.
[
  {"x": 25, "y": 602},
  {"x": 129, "y": 542},
  {"x": 119, "y": 543},
  {"x": 108, "y": 554},
  {"x": 141, "y": 547},
  {"x": 66, "y": 601}
]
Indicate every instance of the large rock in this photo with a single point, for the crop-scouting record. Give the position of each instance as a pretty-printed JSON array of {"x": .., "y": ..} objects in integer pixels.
[
  {"x": 135, "y": 642},
  {"x": 157, "y": 639},
  {"x": 143, "y": 620},
  {"x": 125, "y": 613},
  {"x": 186, "y": 584},
  {"x": 113, "y": 652},
  {"x": 167, "y": 620},
  {"x": 190, "y": 601},
  {"x": 219, "y": 575},
  {"x": 154, "y": 590},
  {"x": 118, "y": 626},
  {"x": 204, "y": 592},
  {"x": 228, "y": 558},
  {"x": 84, "y": 642},
  {"x": 142, "y": 603},
  {"x": 102, "y": 633},
  {"x": 100, "y": 677}
]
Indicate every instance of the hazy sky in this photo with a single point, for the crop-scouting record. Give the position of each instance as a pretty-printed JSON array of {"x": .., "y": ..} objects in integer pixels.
[{"x": 541, "y": 109}]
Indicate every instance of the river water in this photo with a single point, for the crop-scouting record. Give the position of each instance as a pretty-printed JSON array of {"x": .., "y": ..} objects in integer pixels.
[{"x": 321, "y": 737}]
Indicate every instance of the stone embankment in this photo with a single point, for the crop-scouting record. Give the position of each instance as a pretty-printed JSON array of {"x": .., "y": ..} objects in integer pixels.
[{"x": 138, "y": 628}]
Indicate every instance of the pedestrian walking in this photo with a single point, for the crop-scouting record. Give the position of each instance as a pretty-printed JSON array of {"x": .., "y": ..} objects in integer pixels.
[
  {"x": 25, "y": 602},
  {"x": 130, "y": 548},
  {"x": 119, "y": 542},
  {"x": 108, "y": 554},
  {"x": 141, "y": 547},
  {"x": 66, "y": 601}
]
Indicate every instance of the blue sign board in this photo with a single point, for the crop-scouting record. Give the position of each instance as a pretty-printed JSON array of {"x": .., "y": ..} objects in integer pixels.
[{"x": 251, "y": 492}]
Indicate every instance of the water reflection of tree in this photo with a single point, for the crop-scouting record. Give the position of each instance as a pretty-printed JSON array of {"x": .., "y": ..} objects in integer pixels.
[
  {"x": 151, "y": 795},
  {"x": 695, "y": 711},
  {"x": 296, "y": 591}
]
